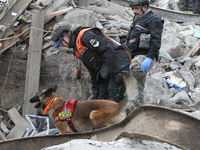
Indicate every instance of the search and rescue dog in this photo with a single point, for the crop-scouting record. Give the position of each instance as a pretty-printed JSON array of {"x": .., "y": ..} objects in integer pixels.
[{"x": 80, "y": 116}]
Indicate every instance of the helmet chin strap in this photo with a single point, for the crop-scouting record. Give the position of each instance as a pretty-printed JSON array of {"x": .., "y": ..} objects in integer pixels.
[
  {"x": 64, "y": 40},
  {"x": 142, "y": 9}
]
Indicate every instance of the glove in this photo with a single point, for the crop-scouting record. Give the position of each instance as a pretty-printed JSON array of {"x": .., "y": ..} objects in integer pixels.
[
  {"x": 119, "y": 78},
  {"x": 146, "y": 64}
]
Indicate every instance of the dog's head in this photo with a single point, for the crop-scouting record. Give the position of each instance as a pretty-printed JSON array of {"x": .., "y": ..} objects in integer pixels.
[{"x": 42, "y": 98}]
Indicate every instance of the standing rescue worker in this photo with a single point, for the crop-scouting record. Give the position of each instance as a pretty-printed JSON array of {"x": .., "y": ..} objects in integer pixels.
[
  {"x": 144, "y": 41},
  {"x": 186, "y": 6},
  {"x": 103, "y": 58},
  {"x": 196, "y": 6}
]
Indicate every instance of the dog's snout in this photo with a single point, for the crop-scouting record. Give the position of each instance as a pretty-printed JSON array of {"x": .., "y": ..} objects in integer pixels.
[{"x": 34, "y": 99}]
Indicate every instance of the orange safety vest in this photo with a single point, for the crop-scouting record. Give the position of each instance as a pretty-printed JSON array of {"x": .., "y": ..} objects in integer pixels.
[{"x": 79, "y": 45}]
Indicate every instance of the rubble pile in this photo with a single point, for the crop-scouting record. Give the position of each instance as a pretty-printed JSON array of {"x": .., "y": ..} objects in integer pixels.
[{"x": 174, "y": 82}]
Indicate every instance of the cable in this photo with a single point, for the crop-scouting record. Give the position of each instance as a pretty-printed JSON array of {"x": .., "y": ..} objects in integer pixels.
[
  {"x": 23, "y": 32},
  {"x": 7, "y": 71}
]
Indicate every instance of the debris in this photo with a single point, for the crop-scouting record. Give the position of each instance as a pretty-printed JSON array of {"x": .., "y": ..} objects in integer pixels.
[
  {"x": 8, "y": 19},
  {"x": 2, "y": 137},
  {"x": 42, "y": 118},
  {"x": 55, "y": 6},
  {"x": 4, "y": 128},
  {"x": 2, "y": 28},
  {"x": 19, "y": 36},
  {"x": 173, "y": 81},
  {"x": 58, "y": 12},
  {"x": 22, "y": 19},
  {"x": 197, "y": 33},
  {"x": 192, "y": 52},
  {"x": 20, "y": 124}
]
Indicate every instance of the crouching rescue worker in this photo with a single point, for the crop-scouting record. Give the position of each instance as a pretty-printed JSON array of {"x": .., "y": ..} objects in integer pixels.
[
  {"x": 103, "y": 58},
  {"x": 144, "y": 41}
]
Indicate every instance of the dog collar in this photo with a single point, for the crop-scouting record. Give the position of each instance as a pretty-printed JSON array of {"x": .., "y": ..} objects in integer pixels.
[{"x": 48, "y": 105}]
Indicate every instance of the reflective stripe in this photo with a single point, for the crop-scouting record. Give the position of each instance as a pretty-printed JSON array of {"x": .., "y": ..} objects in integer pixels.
[
  {"x": 141, "y": 27},
  {"x": 132, "y": 40},
  {"x": 79, "y": 45}
]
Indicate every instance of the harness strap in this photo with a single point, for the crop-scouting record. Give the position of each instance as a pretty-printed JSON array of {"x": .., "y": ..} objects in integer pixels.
[{"x": 69, "y": 104}]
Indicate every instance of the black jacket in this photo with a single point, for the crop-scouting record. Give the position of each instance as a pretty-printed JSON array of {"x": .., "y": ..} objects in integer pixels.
[
  {"x": 149, "y": 24},
  {"x": 101, "y": 53}
]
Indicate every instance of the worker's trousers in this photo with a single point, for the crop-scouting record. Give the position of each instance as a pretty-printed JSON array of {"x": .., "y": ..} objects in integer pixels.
[{"x": 139, "y": 79}]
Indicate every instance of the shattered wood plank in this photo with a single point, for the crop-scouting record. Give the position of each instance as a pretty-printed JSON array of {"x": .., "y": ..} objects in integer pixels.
[
  {"x": 192, "y": 52},
  {"x": 197, "y": 51},
  {"x": 6, "y": 44},
  {"x": 54, "y": 7},
  {"x": 8, "y": 19},
  {"x": 33, "y": 62},
  {"x": 58, "y": 12}
]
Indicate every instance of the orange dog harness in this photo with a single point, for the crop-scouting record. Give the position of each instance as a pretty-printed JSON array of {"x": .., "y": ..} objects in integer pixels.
[{"x": 66, "y": 113}]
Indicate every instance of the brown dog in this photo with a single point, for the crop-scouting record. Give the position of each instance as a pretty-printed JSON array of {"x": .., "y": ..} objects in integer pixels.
[{"x": 86, "y": 114}]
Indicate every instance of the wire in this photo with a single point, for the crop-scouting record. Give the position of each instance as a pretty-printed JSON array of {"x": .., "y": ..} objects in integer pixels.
[
  {"x": 24, "y": 32},
  {"x": 7, "y": 71}
]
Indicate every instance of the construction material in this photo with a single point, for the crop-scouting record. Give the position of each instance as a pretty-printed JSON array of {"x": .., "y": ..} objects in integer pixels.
[
  {"x": 9, "y": 19},
  {"x": 157, "y": 122},
  {"x": 34, "y": 61},
  {"x": 20, "y": 124}
]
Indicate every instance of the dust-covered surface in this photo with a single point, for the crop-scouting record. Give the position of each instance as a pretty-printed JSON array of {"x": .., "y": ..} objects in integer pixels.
[
  {"x": 122, "y": 144},
  {"x": 58, "y": 65}
]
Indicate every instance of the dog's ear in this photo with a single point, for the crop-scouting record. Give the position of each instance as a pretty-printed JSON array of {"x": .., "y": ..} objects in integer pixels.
[
  {"x": 47, "y": 93},
  {"x": 54, "y": 88}
]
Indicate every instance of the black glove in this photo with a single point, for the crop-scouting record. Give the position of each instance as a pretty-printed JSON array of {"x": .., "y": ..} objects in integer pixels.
[{"x": 119, "y": 78}]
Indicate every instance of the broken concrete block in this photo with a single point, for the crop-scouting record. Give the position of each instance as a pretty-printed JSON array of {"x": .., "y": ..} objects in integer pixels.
[
  {"x": 187, "y": 33},
  {"x": 99, "y": 25},
  {"x": 150, "y": 92},
  {"x": 172, "y": 46},
  {"x": 188, "y": 63},
  {"x": 102, "y": 3},
  {"x": 187, "y": 77},
  {"x": 20, "y": 124},
  {"x": 2, "y": 28},
  {"x": 44, "y": 2},
  {"x": 97, "y": 9},
  {"x": 190, "y": 41},
  {"x": 173, "y": 65},
  {"x": 181, "y": 96},
  {"x": 158, "y": 76},
  {"x": 196, "y": 96},
  {"x": 87, "y": 17},
  {"x": 197, "y": 62}
]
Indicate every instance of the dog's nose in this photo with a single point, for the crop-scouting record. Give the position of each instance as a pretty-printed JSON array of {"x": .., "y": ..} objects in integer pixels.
[{"x": 34, "y": 99}]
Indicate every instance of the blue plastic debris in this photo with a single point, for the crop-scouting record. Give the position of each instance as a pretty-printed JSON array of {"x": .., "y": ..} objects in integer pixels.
[{"x": 178, "y": 83}]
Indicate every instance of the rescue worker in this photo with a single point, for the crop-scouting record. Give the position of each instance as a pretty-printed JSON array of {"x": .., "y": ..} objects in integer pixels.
[
  {"x": 144, "y": 41},
  {"x": 196, "y": 6},
  {"x": 100, "y": 56},
  {"x": 186, "y": 6}
]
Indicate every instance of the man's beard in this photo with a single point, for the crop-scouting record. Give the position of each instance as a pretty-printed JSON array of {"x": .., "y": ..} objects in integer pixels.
[{"x": 138, "y": 15}]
